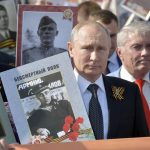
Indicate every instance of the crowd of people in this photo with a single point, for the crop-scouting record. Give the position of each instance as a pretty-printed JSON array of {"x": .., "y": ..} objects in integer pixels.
[{"x": 114, "y": 63}]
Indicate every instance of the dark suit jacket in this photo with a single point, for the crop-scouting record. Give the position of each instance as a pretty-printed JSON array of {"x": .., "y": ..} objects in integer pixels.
[{"x": 126, "y": 116}]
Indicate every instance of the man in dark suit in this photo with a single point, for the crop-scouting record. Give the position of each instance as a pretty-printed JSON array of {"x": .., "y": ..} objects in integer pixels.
[
  {"x": 134, "y": 52},
  {"x": 49, "y": 119},
  {"x": 120, "y": 112},
  {"x": 47, "y": 31}
]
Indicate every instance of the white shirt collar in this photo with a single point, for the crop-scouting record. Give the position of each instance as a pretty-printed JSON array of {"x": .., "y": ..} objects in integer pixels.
[
  {"x": 83, "y": 83},
  {"x": 124, "y": 74}
]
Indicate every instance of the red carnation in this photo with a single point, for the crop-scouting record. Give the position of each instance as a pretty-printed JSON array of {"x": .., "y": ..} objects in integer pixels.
[
  {"x": 69, "y": 119},
  {"x": 79, "y": 120},
  {"x": 66, "y": 127},
  {"x": 75, "y": 127},
  {"x": 73, "y": 136}
]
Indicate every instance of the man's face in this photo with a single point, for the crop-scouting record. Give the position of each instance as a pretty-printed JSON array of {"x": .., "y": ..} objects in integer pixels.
[
  {"x": 135, "y": 54},
  {"x": 113, "y": 30},
  {"x": 44, "y": 97},
  {"x": 47, "y": 33},
  {"x": 90, "y": 52},
  {"x": 3, "y": 20}
]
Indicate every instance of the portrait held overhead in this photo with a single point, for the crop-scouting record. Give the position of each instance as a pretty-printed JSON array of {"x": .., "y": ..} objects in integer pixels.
[
  {"x": 43, "y": 35},
  {"x": 47, "y": 31}
]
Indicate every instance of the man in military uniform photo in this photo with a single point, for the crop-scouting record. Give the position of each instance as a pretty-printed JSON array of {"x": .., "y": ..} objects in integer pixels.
[
  {"x": 49, "y": 119},
  {"x": 47, "y": 31}
]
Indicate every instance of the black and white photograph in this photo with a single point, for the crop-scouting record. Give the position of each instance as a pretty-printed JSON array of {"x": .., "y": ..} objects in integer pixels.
[
  {"x": 43, "y": 31},
  {"x": 141, "y": 8},
  {"x": 46, "y": 98},
  {"x": 8, "y": 25},
  {"x": 43, "y": 89}
]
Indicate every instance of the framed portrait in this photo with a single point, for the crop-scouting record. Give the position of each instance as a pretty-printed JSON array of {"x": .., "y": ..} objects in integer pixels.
[
  {"x": 141, "y": 8},
  {"x": 6, "y": 131},
  {"x": 8, "y": 38},
  {"x": 45, "y": 102},
  {"x": 43, "y": 31}
]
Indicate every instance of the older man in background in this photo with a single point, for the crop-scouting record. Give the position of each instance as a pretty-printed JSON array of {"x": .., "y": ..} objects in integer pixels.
[
  {"x": 110, "y": 21},
  {"x": 134, "y": 51}
]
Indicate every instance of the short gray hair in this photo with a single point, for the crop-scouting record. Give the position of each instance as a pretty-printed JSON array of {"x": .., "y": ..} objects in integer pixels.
[
  {"x": 77, "y": 28},
  {"x": 137, "y": 27}
]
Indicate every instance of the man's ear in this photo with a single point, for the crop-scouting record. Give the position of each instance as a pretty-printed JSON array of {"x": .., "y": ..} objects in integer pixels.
[
  {"x": 119, "y": 52},
  {"x": 70, "y": 47}
]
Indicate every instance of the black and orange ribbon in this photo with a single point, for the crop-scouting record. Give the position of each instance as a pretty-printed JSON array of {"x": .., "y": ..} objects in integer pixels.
[
  {"x": 8, "y": 43},
  {"x": 58, "y": 140}
]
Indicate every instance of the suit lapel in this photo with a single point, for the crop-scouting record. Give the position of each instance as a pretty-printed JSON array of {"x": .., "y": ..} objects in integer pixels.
[{"x": 113, "y": 108}]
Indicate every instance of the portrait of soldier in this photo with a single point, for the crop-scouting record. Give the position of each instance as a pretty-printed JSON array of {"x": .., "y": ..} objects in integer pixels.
[
  {"x": 5, "y": 32},
  {"x": 49, "y": 118},
  {"x": 6, "y": 52},
  {"x": 47, "y": 31}
]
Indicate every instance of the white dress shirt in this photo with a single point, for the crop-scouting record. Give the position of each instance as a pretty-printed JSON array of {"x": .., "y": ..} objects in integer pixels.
[
  {"x": 86, "y": 95},
  {"x": 113, "y": 62},
  {"x": 124, "y": 74}
]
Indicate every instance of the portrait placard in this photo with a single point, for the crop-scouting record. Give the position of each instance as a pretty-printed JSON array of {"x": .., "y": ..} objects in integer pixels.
[
  {"x": 8, "y": 27},
  {"x": 6, "y": 131},
  {"x": 141, "y": 8},
  {"x": 43, "y": 31},
  {"x": 46, "y": 103}
]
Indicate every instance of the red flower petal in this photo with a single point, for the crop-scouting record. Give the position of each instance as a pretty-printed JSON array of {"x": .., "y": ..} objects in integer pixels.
[
  {"x": 79, "y": 120},
  {"x": 73, "y": 136},
  {"x": 75, "y": 127},
  {"x": 69, "y": 119},
  {"x": 66, "y": 127}
]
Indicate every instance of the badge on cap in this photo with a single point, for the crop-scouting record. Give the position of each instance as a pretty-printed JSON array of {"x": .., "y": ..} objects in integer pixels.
[{"x": 68, "y": 14}]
